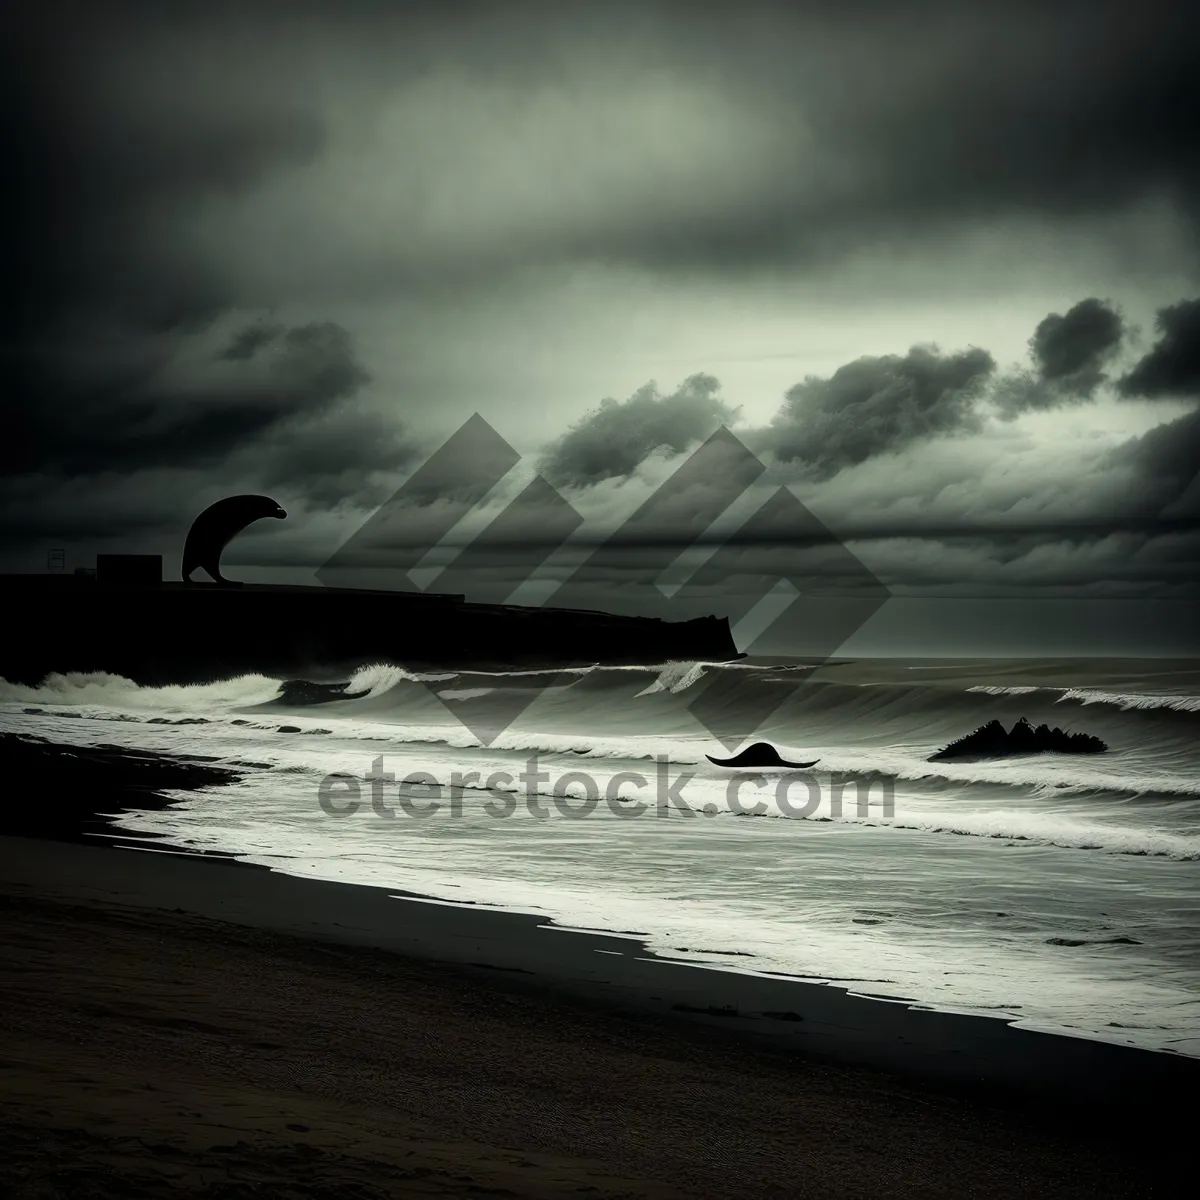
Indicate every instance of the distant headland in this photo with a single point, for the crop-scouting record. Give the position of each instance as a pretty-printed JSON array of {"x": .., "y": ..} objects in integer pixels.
[{"x": 124, "y": 620}]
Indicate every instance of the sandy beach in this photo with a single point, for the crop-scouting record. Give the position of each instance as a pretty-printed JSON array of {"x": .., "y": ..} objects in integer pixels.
[
  {"x": 180, "y": 1024},
  {"x": 153, "y": 1048}
]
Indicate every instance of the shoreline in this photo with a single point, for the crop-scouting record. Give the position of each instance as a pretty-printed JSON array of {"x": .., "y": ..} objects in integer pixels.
[
  {"x": 176, "y": 1019},
  {"x": 228, "y": 1024},
  {"x": 818, "y": 1019},
  {"x": 975, "y": 1056}
]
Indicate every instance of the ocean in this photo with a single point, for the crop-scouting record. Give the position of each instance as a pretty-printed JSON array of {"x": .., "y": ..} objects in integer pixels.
[{"x": 1056, "y": 892}]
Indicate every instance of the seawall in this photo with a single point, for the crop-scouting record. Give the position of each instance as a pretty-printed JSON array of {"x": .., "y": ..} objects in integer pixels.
[{"x": 194, "y": 633}]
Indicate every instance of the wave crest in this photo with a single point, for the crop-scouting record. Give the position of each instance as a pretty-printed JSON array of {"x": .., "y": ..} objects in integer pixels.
[{"x": 98, "y": 689}]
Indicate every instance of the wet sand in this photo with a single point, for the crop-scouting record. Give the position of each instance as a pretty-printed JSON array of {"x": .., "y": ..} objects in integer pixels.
[
  {"x": 154, "y": 1052},
  {"x": 178, "y": 1025}
]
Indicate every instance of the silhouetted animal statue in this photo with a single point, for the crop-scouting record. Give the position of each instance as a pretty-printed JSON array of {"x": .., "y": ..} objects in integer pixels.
[
  {"x": 761, "y": 754},
  {"x": 216, "y": 527}
]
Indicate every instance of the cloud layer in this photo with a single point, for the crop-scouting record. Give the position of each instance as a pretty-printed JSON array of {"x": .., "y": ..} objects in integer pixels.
[
  {"x": 875, "y": 405},
  {"x": 616, "y": 438},
  {"x": 1069, "y": 350},
  {"x": 217, "y": 210},
  {"x": 1172, "y": 367}
]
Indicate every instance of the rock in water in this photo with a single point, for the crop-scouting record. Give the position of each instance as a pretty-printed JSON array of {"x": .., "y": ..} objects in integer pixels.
[
  {"x": 303, "y": 691},
  {"x": 994, "y": 741},
  {"x": 761, "y": 754}
]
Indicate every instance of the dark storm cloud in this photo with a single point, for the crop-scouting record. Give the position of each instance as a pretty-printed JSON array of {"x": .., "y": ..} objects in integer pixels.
[
  {"x": 249, "y": 341},
  {"x": 1166, "y": 462},
  {"x": 656, "y": 134},
  {"x": 94, "y": 509},
  {"x": 142, "y": 412},
  {"x": 1172, "y": 367},
  {"x": 114, "y": 126},
  {"x": 750, "y": 136},
  {"x": 1022, "y": 391},
  {"x": 653, "y": 134},
  {"x": 875, "y": 405},
  {"x": 1124, "y": 522},
  {"x": 919, "y": 119},
  {"x": 335, "y": 458},
  {"x": 1069, "y": 350},
  {"x": 617, "y": 437},
  {"x": 323, "y": 460}
]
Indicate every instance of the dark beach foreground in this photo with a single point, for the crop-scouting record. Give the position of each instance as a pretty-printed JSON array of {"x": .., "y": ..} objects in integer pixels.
[{"x": 176, "y": 1026}]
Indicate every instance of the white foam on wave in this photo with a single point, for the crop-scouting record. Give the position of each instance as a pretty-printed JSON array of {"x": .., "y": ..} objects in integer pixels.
[
  {"x": 1053, "y": 829},
  {"x": 1132, "y": 700},
  {"x": 488, "y": 771},
  {"x": 710, "y": 796},
  {"x": 115, "y": 697},
  {"x": 1086, "y": 695},
  {"x": 990, "y": 689},
  {"x": 674, "y": 678},
  {"x": 757, "y": 886},
  {"x": 100, "y": 690},
  {"x": 382, "y": 677},
  {"x": 1122, "y": 775},
  {"x": 1012, "y": 824}
]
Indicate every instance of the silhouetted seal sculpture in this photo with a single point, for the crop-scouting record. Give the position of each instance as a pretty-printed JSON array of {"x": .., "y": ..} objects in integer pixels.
[
  {"x": 216, "y": 527},
  {"x": 761, "y": 754}
]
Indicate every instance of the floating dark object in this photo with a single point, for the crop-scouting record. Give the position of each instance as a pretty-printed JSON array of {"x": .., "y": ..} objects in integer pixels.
[
  {"x": 994, "y": 741},
  {"x": 761, "y": 754}
]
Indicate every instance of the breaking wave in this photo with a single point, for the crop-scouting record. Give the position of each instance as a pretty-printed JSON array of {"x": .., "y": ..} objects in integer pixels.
[
  {"x": 1122, "y": 700},
  {"x": 885, "y": 726}
]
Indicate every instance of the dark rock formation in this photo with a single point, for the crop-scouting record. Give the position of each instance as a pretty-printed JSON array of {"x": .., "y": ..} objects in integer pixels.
[{"x": 994, "y": 741}]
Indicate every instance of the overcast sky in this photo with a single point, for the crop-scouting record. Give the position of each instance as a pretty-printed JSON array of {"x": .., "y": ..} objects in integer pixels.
[{"x": 934, "y": 269}]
